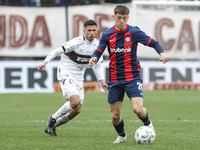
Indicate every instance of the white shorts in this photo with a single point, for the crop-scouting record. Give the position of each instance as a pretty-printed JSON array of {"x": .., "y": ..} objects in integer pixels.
[{"x": 69, "y": 88}]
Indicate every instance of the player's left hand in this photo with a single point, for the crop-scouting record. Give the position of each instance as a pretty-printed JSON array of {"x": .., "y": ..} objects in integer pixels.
[
  {"x": 164, "y": 58},
  {"x": 92, "y": 61},
  {"x": 104, "y": 86}
]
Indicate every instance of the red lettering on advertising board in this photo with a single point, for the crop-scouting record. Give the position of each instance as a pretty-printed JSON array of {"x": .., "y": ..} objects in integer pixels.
[
  {"x": 186, "y": 35},
  {"x": 100, "y": 28},
  {"x": 2, "y": 30},
  {"x": 98, "y": 18},
  {"x": 22, "y": 37},
  {"x": 24, "y": 31},
  {"x": 77, "y": 19},
  {"x": 167, "y": 45},
  {"x": 40, "y": 23}
]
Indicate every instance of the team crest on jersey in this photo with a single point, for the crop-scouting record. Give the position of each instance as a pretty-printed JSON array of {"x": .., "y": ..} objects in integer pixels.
[{"x": 128, "y": 39}]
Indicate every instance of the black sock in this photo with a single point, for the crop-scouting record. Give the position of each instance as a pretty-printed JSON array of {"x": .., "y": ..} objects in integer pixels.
[
  {"x": 146, "y": 120},
  {"x": 120, "y": 128}
]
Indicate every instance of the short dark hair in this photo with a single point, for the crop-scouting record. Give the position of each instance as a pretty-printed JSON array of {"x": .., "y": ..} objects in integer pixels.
[
  {"x": 121, "y": 9},
  {"x": 90, "y": 23}
]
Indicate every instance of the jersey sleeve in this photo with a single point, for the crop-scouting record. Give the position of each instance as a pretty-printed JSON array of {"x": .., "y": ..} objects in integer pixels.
[
  {"x": 101, "y": 47},
  {"x": 70, "y": 45},
  {"x": 98, "y": 69},
  {"x": 146, "y": 40},
  {"x": 53, "y": 54}
]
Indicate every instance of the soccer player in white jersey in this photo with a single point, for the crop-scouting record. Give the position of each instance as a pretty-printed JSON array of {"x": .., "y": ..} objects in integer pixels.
[{"x": 75, "y": 56}]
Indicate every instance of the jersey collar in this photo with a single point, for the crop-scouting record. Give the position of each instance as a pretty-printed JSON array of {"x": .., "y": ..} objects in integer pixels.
[
  {"x": 86, "y": 40},
  {"x": 120, "y": 31}
]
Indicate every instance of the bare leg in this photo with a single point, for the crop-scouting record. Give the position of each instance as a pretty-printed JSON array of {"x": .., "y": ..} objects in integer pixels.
[
  {"x": 140, "y": 111},
  {"x": 115, "y": 109},
  {"x": 117, "y": 121}
]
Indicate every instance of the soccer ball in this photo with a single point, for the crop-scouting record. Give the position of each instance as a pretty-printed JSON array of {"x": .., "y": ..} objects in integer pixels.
[{"x": 145, "y": 135}]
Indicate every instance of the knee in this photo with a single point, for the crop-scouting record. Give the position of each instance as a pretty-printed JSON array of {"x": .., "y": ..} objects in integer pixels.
[
  {"x": 115, "y": 118},
  {"x": 138, "y": 110},
  {"x": 75, "y": 101}
]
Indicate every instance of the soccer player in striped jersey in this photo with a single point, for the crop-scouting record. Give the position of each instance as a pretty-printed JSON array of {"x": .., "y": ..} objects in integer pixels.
[
  {"x": 122, "y": 41},
  {"x": 75, "y": 56}
]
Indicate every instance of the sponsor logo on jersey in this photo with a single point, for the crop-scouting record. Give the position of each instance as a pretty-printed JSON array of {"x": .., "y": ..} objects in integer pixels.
[
  {"x": 120, "y": 50},
  {"x": 78, "y": 58},
  {"x": 82, "y": 59}
]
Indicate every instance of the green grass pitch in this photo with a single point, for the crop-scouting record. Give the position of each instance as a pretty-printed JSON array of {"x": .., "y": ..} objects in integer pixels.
[{"x": 175, "y": 115}]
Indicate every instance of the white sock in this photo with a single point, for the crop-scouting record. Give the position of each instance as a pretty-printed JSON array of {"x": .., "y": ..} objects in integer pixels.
[{"x": 63, "y": 110}]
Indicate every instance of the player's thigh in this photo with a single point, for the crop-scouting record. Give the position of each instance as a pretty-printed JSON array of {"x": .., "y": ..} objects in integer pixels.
[
  {"x": 116, "y": 92},
  {"x": 68, "y": 87},
  {"x": 137, "y": 103}
]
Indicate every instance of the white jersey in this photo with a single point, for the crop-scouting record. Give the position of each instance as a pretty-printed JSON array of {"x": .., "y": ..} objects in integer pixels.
[{"x": 75, "y": 56}]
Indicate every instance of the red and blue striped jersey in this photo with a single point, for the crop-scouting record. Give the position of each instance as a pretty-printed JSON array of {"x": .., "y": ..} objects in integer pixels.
[{"x": 122, "y": 48}]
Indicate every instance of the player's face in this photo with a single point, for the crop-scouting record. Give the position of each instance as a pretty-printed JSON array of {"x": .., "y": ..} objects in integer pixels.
[
  {"x": 90, "y": 32},
  {"x": 120, "y": 21}
]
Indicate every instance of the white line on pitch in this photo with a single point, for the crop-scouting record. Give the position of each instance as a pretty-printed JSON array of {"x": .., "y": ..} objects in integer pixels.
[{"x": 110, "y": 121}]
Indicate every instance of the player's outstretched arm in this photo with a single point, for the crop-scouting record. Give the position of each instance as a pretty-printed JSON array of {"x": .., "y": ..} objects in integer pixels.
[
  {"x": 164, "y": 58},
  {"x": 42, "y": 66},
  {"x": 104, "y": 86},
  {"x": 92, "y": 61}
]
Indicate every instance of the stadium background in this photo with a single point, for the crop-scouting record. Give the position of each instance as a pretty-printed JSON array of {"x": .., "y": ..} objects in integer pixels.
[{"x": 31, "y": 30}]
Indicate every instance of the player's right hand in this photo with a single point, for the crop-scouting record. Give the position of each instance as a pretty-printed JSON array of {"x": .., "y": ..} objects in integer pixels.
[
  {"x": 164, "y": 58},
  {"x": 92, "y": 61},
  {"x": 42, "y": 66}
]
